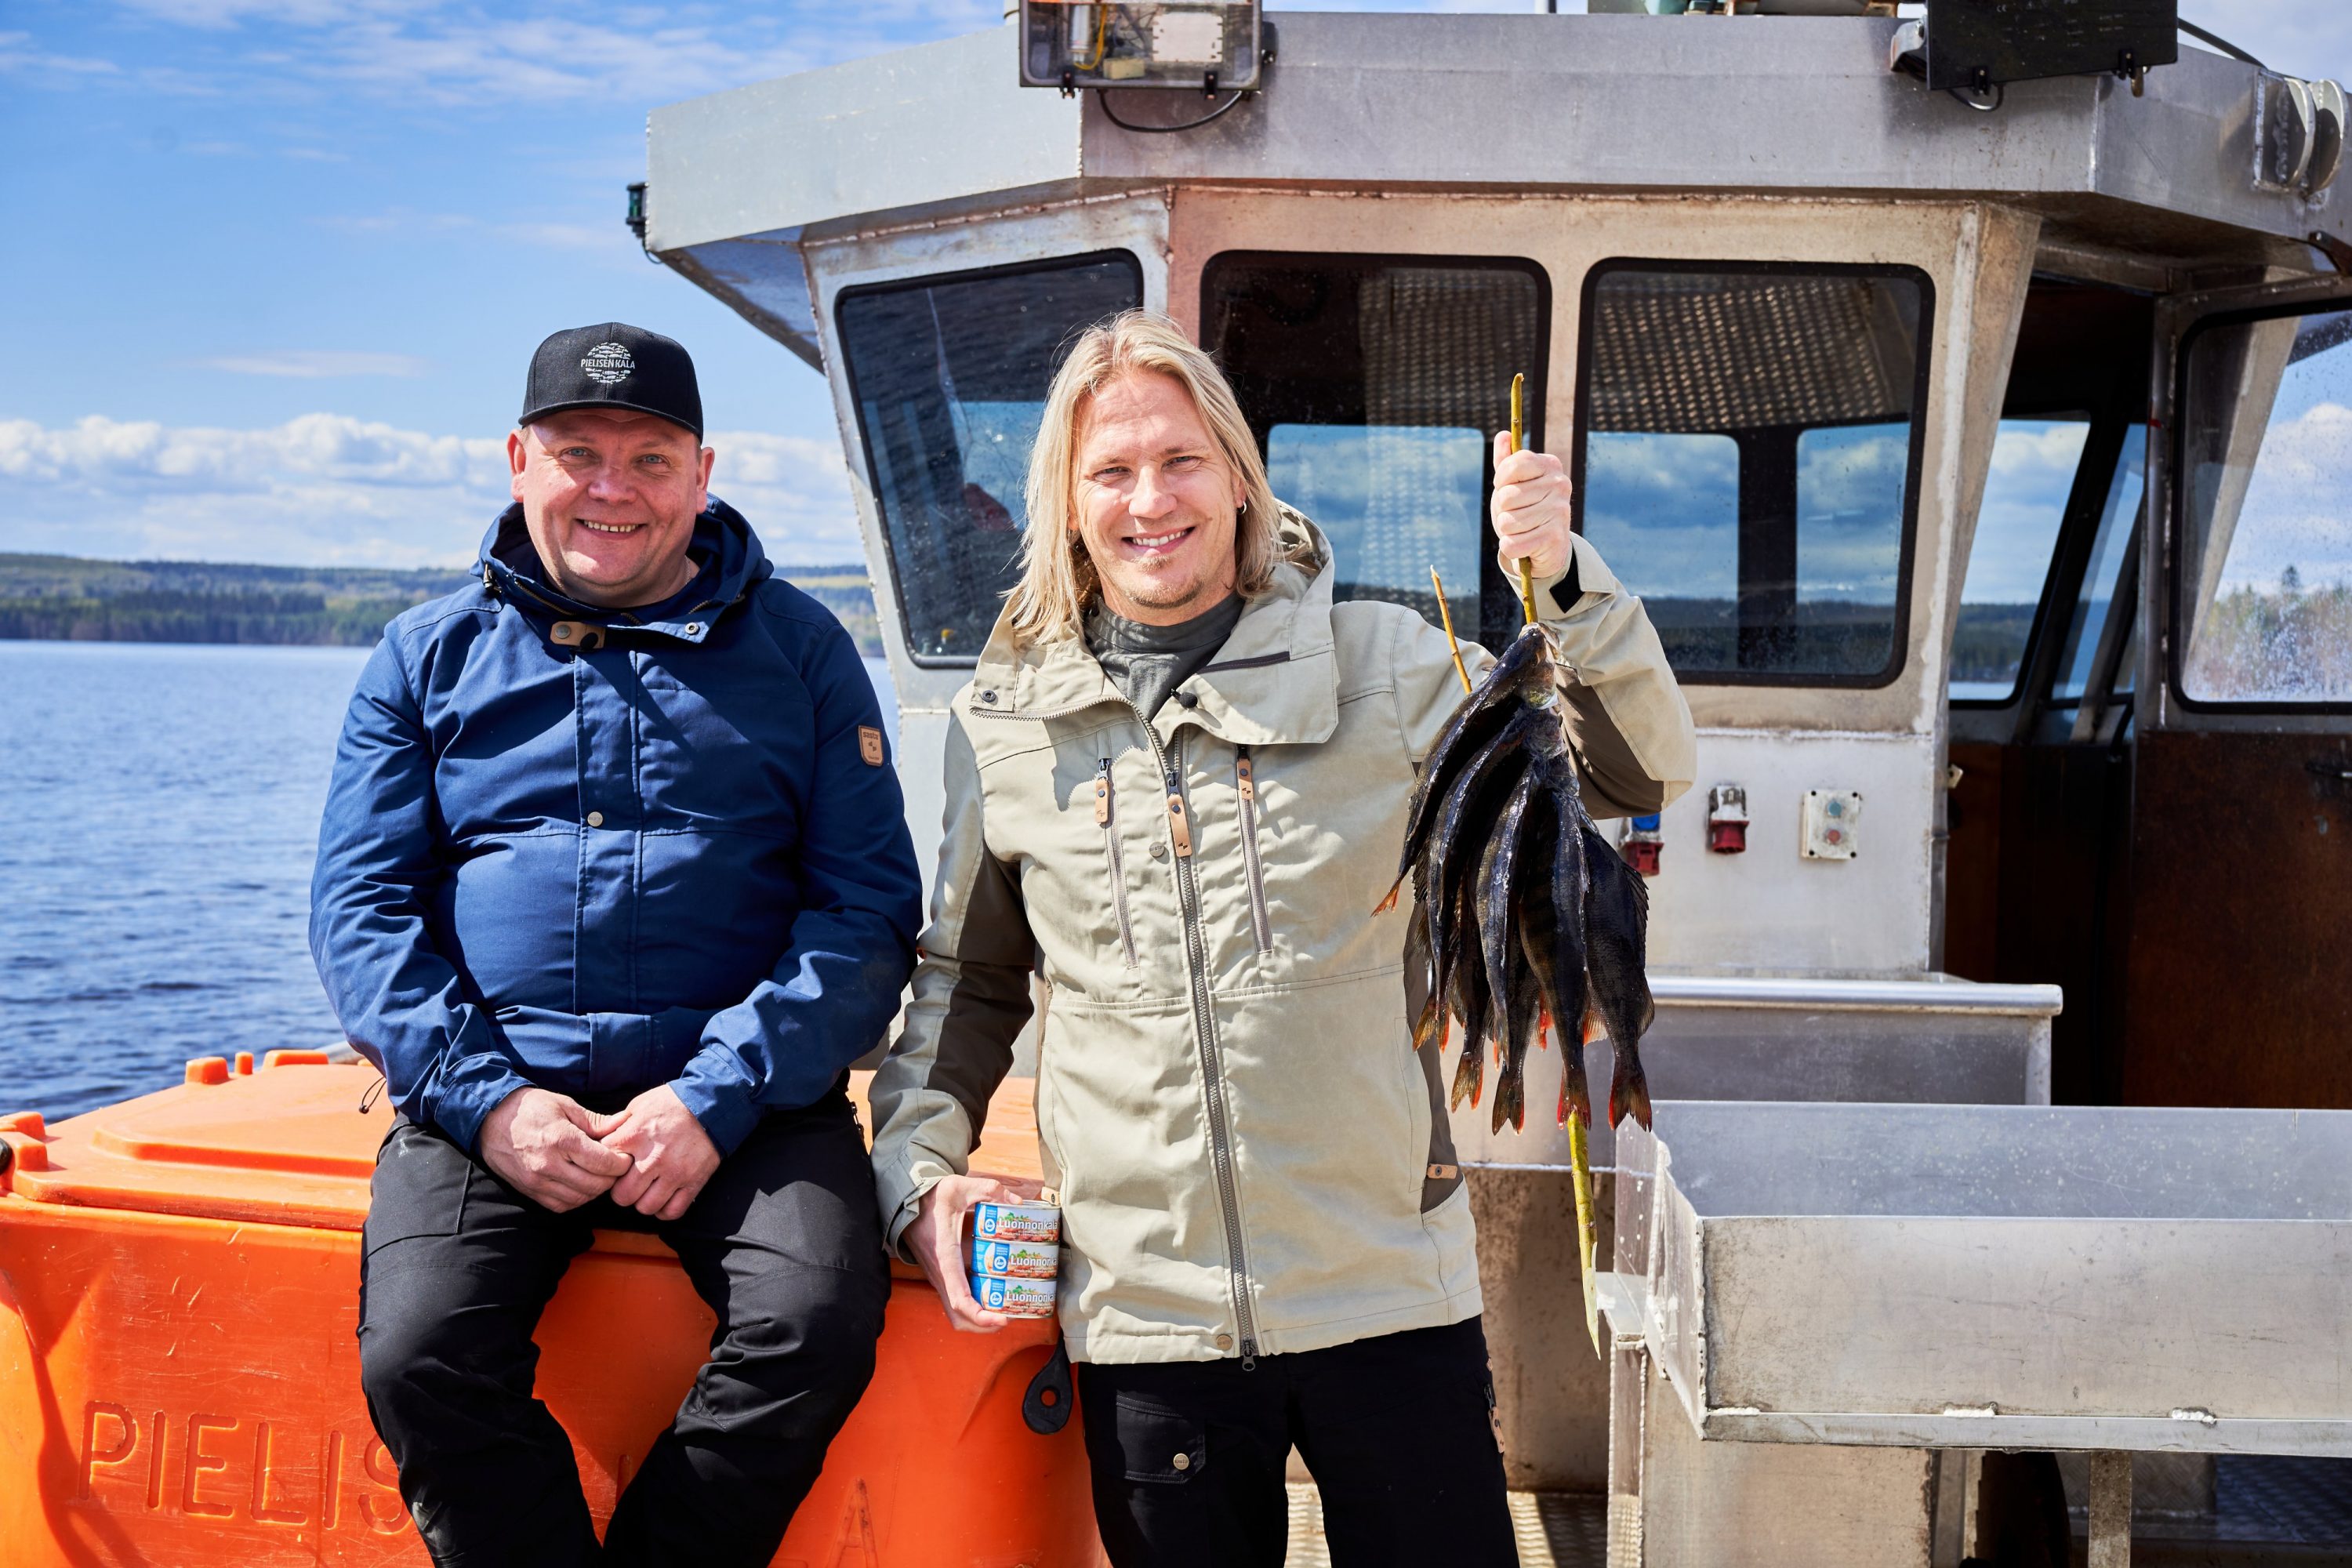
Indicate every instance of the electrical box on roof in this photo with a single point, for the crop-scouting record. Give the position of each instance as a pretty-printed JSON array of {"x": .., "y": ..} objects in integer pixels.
[{"x": 1208, "y": 46}]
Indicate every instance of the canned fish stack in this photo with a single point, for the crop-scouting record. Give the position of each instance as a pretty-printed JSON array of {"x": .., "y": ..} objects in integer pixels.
[{"x": 1016, "y": 1253}]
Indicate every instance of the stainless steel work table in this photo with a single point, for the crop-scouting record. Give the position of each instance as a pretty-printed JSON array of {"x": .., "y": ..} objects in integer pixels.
[{"x": 1975, "y": 1277}]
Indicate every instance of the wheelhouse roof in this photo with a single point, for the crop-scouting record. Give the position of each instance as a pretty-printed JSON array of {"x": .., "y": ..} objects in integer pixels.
[{"x": 1486, "y": 104}]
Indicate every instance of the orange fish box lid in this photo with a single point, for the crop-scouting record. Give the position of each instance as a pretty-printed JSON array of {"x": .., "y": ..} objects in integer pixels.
[{"x": 286, "y": 1142}]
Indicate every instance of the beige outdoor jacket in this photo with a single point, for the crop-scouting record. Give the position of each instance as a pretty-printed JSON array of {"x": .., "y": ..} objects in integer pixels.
[{"x": 1252, "y": 1158}]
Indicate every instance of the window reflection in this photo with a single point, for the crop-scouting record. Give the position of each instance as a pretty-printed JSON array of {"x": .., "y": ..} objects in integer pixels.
[
  {"x": 1374, "y": 385},
  {"x": 2265, "y": 584},
  {"x": 1748, "y": 441},
  {"x": 1671, "y": 502},
  {"x": 2026, "y": 489},
  {"x": 1394, "y": 500},
  {"x": 948, "y": 377}
]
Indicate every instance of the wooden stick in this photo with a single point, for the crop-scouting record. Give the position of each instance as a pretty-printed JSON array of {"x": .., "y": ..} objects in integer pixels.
[
  {"x": 1581, "y": 1165},
  {"x": 1579, "y": 1159},
  {"x": 1447, "y": 615},
  {"x": 1519, "y": 444}
]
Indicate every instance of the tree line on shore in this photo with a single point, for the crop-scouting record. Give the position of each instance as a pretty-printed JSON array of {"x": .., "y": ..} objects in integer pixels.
[{"x": 69, "y": 599}]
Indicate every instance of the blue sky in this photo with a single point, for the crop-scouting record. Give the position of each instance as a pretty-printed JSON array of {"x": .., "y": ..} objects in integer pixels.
[{"x": 279, "y": 263}]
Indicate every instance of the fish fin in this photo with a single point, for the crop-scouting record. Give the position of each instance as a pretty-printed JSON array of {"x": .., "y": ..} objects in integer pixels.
[
  {"x": 1466, "y": 1074},
  {"x": 1629, "y": 1088},
  {"x": 1385, "y": 905},
  {"x": 1575, "y": 1099},
  {"x": 1431, "y": 1022},
  {"x": 1510, "y": 1101}
]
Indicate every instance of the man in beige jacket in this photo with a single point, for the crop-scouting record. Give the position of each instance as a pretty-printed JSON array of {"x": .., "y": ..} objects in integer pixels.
[{"x": 1176, "y": 789}]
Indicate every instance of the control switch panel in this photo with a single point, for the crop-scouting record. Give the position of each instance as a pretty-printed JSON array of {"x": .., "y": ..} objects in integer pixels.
[{"x": 1832, "y": 818}]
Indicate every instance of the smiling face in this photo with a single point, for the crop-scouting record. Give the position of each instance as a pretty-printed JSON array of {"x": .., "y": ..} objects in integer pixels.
[
  {"x": 610, "y": 498},
  {"x": 1157, "y": 502}
]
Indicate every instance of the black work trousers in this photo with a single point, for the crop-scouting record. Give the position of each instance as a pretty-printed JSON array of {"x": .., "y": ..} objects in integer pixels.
[
  {"x": 1398, "y": 1431},
  {"x": 785, "y": 1245}
]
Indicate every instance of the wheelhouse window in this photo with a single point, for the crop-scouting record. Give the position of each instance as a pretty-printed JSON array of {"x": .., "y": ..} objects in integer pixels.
[
  {"x": 949, "y": 376},
  {"x": 1748, "y": 460},
  {"x": 2264, "y": 578},
  {"x": 1374, "y": 386},
  {"x": 2109, "y": 587},
  {"x": 2034, "y": 463}
]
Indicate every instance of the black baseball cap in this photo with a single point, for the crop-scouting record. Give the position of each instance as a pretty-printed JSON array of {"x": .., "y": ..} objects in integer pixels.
[{"x": 613, "y": 365}]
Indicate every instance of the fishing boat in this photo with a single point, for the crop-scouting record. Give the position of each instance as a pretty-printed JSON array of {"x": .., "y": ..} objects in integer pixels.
[{"x": 1798, "y": 297}]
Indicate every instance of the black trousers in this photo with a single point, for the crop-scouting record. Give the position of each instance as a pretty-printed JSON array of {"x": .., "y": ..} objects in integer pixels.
[
  {"x": 1398, "y": 1431},
  {"x": 785, "y": 1245}
]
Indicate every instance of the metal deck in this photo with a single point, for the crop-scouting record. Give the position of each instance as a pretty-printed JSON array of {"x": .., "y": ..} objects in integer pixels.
[{"x": 1556, "y": 1530}]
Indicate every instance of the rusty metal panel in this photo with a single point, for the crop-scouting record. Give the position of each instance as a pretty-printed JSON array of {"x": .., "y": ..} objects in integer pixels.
[
  {"x": 2037, "y": 890},
  {"x": 2240, "y": 986}
]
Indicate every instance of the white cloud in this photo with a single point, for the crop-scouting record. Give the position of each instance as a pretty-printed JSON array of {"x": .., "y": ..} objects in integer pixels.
[
  {"x": 2033, "y": 473},
  {"x": 327, "y": 488},
  {"x": 795, "y": 491},
  {"x": 2293, "y": 513},
  {"x": 20, "y": 53},
  {"x": 313, "y": 364},
  {"x": 437, "y": 53}
]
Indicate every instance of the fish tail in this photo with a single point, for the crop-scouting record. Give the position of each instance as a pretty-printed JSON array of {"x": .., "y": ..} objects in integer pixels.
[
  {"x": 1629, "y": 1089},
  {"x": 1575, "y": 1099},
  {"x": 1510, "y": 1101},
  {"x": 1433, "y": 1012},
  {"x": 1467, "y": 1073}
]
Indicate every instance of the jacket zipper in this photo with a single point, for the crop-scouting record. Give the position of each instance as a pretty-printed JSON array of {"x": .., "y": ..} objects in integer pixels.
[
  {"x": 1106, "y": 818},
  {"x": 1221, "y": 1155},
  {"x": 1245, "y": 779}
]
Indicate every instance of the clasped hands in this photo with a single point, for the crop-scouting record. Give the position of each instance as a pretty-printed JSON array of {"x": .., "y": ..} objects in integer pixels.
[{"x": 652, "y": 1155}]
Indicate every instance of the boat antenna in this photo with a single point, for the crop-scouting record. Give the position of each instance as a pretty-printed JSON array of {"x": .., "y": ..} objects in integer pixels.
[{"x": 2222, "y": 44}]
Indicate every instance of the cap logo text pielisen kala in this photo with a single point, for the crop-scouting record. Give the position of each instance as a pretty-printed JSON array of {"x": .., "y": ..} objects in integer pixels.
[{"x": 608, "y": 364}]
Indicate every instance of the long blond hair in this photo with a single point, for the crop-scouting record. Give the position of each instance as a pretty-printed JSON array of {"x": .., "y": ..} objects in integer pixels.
[{"x": 1057, "y": 576}]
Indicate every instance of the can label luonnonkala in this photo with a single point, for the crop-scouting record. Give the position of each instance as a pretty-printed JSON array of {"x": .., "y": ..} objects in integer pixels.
[
  {"x": 1016, "y": 1259},
  {"x": 1016, "y": 1222},
  {"x": 1014, "y": 1297}
]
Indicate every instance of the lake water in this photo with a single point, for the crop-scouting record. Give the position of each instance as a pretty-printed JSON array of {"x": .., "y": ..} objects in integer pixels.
[{"x": 155, "y": 883}]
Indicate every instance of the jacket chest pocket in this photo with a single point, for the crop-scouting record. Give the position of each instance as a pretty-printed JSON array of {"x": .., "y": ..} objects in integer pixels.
[
  {"x": 1106, "y": 818},
  {"x": 1245, "y": 786}
]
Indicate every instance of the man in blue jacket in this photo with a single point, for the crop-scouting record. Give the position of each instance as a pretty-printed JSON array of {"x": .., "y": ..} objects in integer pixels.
[{"x": 614, "y": 883}]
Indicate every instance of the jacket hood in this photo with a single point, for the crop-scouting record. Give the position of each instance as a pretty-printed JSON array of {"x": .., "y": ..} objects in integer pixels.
[
  {"x": 1275, "y": 681},
  {"x": 512, "y": 568}
]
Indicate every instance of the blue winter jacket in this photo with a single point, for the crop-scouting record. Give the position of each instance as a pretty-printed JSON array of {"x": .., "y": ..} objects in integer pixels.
[{"x": 677, "y": 856}]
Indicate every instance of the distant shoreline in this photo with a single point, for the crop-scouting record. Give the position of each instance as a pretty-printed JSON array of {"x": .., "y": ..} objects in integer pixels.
[{"x": 69, "y": 598}]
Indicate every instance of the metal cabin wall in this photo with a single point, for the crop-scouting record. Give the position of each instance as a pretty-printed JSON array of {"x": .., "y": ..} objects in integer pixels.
[
  {"x": 1137, "y": 224},
  {"x": 1768, "y": 909}
]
